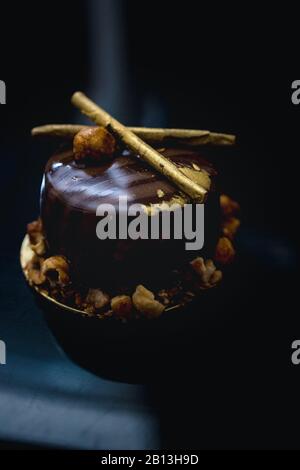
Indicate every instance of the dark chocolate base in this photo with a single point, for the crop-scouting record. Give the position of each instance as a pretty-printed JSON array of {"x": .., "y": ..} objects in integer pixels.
[{"x": 134, "y": 352}]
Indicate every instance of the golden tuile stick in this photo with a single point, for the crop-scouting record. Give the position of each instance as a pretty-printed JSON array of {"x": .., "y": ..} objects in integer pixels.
[
  {"x": 154, "y": 136},
  {"x": 189, "y": 137},
  {"x": 139, "y": 147}
]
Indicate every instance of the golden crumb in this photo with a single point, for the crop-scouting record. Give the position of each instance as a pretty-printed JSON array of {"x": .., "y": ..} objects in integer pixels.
[
  {"x": 160, "y": 193},
  {"x": 196, "y": 167}
]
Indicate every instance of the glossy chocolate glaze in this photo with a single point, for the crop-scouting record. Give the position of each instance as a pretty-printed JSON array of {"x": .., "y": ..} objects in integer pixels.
[{"x": 70, "y": 195}]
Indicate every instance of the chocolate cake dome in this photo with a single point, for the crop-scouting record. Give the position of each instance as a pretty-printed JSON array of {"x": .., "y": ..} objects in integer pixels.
[{"x": 71, "y": 194}]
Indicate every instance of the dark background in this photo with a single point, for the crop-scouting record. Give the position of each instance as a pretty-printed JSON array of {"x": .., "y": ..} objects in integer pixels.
[{"x": 178, "y": 65}]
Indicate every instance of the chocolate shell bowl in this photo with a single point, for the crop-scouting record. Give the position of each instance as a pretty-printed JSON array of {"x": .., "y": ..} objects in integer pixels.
[{"x": 121, "y": 307}]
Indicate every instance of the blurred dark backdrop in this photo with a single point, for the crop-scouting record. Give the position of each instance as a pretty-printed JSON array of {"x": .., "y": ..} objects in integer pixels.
[
  {"x": 185, "y": 64},
  {"x": 151, "y": 62}
]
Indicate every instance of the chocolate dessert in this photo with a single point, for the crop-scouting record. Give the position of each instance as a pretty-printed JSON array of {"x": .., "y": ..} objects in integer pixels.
[{"x": 117, "y": 277}]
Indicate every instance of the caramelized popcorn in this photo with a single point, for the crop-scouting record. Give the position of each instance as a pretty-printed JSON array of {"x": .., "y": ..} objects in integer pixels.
[
  {"x": 216, "y": 277},
  {"x": 229, "y": 207},
  {"x": 225, "y": 252},
  {"x": 93, "y": 143},
  {"x": 121, "y": 306},
  {"x": 36, "y": 277},
  {"x": 144, "y": 301},
  {"x": 56, "y": 270},
  {"x": 34, "y": 273},
  {"x": 37, "y": 240},
  {"x": 208, "y": 274},
  {"x": 96, "y": 299},
  {"x": 230, "y": 227}
]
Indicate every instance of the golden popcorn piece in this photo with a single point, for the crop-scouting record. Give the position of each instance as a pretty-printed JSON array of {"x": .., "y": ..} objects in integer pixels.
[
  {"x": 56, "y": 270},
  {"x": 121, "y": 305},
  {"x": 209, "y": 275},
  {"x": 230, "y": 227},
  {"x": 34, "y": 273},
  {"x": 225, "y": 252},
  {"x": 229, "y": 207},
  {"x": 144, "y": 301},
  {"x": 36, "y": 237},
  {"x": 96, "y": 299}
]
